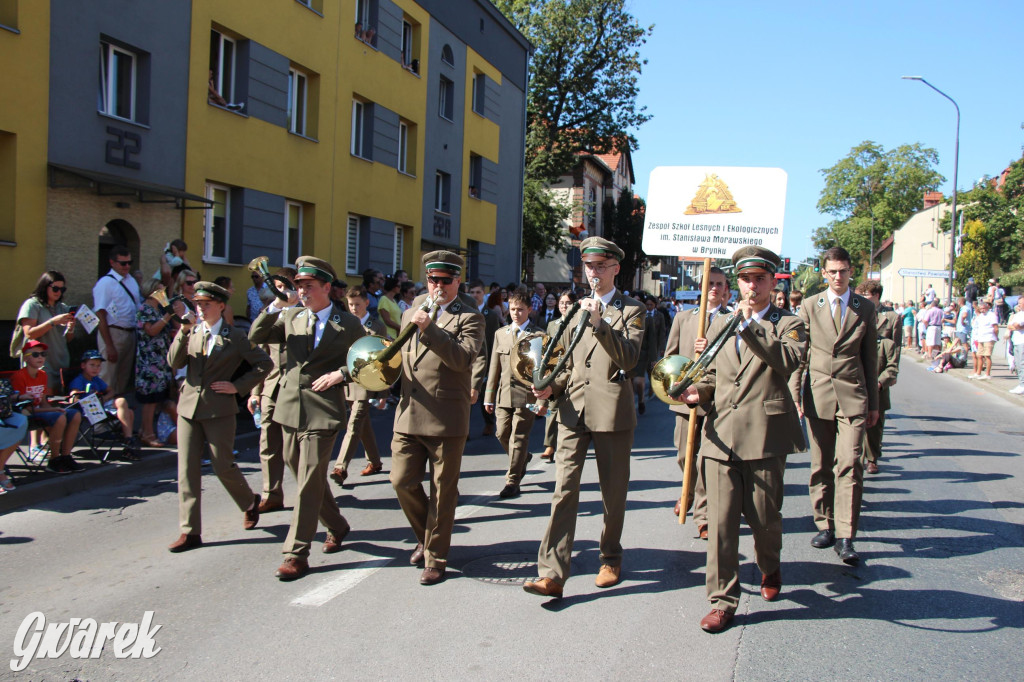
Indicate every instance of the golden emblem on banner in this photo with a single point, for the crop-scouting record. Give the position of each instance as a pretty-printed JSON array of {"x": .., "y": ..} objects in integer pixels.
[{"x": 713, "y": 196}]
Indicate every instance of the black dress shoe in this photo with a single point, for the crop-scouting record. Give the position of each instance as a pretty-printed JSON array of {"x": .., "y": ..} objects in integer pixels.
[
  {"x": 823, "y": 539},
  {"x": 510, "y": 490},
  {"x": 844, "y": 548}
]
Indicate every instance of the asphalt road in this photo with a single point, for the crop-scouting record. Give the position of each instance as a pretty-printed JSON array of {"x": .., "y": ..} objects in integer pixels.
[{"x": 939, "y": 594}]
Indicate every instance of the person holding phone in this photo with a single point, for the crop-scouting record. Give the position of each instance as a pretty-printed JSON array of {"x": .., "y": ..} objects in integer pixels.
[{"x": 45, "y": 317}]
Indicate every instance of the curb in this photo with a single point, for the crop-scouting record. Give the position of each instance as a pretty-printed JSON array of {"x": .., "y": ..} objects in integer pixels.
[{"x": 97, "y": 475}]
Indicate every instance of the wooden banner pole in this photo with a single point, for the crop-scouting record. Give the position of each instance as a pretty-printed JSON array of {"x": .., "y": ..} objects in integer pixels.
[{"x": 691, "y": 432}]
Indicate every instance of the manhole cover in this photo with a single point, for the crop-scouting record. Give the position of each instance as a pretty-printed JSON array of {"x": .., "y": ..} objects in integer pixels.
[{"x": 504, "y": 569}]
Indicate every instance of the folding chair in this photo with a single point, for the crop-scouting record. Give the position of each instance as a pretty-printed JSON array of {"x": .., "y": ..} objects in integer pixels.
[
  {"x": 100, "y": 431},
  {"x": 13, "y": 426}
]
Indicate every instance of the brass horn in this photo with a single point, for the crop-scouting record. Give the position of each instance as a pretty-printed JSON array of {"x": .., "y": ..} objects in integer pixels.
[
  {"x": 373, "y": 361},
  {"x": 539, "y": 360},
  {"x": 673, "y": 374},
  {"x": 530, "y": 355},
  {"x": 261, "y": 264},
  {"x": 167, "y": 304}
]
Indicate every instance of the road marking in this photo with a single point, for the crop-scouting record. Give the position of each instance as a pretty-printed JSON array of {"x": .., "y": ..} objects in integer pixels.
[{"x": 348, "y": 579}]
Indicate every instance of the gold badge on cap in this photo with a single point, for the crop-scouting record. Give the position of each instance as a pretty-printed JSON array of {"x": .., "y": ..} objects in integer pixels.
[{"x": 713, "y": 196}]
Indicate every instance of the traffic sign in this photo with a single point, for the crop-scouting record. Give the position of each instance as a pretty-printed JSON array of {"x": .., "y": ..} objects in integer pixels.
[
  {"x": 920, "y": 272},
  {"x": 574, "y": 257}
]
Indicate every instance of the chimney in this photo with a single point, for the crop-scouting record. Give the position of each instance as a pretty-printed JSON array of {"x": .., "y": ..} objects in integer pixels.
[{"x": 932, "y": 199}]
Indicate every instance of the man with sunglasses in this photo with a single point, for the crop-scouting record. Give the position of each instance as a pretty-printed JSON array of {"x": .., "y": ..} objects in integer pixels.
[
  {"x": 432, "y": 419},
  {"x": 116, "y": 299},
  {"x": 839, "y": 382},
  {"x": 596, "y": 407}
]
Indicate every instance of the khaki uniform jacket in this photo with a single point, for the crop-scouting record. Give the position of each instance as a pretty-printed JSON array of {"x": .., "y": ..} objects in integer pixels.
[
  {"x": 840, "y": 374},
  {"x": 297, "y": 405},
  {"x": 753, "y": 415},
  {"x": 491, "y": 324},
  {"x": 654, "y": 339},
  {"x": 594, "y": 381},
  {"x": 502, "y": 388},
  {"x": 231, "y": 348},
  {"x": 354, "y": 391},
  {"x": 685, "y": 330},
  {"x": 437, "y": 371},
  {"x": 888, "y": 370}
]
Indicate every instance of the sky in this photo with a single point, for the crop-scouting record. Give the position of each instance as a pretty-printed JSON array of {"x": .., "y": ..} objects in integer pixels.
[{"x": 796, "y": 85}]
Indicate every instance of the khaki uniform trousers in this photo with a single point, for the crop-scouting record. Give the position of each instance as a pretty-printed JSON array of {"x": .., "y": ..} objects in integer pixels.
[
  {"x": 271, "y": 453},
  {"x": 698, "y": 494},
  {"x": 118, "y": 375},
  {"x": 551, "y": 428},
  {"x": 359, "y": 429},
  {"x": 193, "y": 435},
  {"x": 432, "y": 518},
  {"x": 873, "y": 442},
  {"x": 612, "y": 452},
  {"x": 513, "y": 430},
  {"x": 837, "y": 473},
  {"x": 307, "y": 454},
  {"x": 753, "y": 488}
]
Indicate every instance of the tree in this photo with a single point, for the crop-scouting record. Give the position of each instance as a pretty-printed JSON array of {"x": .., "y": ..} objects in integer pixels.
[
  {"x": 872, "y": 187},
  {"x": 1000, "y": 211},
  {"x": 975, "y": 260},
  {"x": 543, "y": 215},
  {"x": 582, "y": 93},
  {"x": 624, "y": 225}
]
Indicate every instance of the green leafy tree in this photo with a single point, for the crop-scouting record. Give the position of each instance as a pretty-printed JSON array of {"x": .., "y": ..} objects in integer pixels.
[
  {"x": 543, "y": 214},
  {"x": 582, "y": 95},
  {"x": 1000, "y": 209},
  {"x": 975, "y": 260},
  {"x": 871, "y": 187},
  {"x": 624, "y": 225}
]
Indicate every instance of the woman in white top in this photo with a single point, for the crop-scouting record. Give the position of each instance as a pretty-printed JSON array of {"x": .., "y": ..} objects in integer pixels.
[{"x": 1015, "y": 325}]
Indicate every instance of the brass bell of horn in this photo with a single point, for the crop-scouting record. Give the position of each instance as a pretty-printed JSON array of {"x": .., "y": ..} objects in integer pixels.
[
  {"x": 167, "y": 304},
  {"x": 368, "y": 365},
  {"x": 668, "y": 373},
  {"x": 532, "y": 355},
  {"x": 261, "y": 264}
]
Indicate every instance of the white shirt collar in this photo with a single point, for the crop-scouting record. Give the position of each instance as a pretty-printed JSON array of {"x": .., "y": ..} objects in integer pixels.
[
  {"x": 607, "y": 298},
  {"x": 215, "y": 329},
  {"x": 758, "y": 315},
  {"x": 116, "y": 276},
  {"x": 365, "y": 318},
  {"x": 845, "y": 298},
  {"x": 324, "y": 314}
]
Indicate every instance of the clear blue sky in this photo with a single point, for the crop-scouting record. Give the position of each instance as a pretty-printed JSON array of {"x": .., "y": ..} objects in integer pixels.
[{"x": 797, "y": 84}]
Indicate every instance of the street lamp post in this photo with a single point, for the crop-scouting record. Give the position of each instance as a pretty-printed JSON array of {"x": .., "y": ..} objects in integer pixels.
[{"x": 956, "y": 165}]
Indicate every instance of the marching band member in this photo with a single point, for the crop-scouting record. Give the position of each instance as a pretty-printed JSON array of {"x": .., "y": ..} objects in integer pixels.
[
  {"x": 597, "y": 407},
  {"x": 432, "y": 419},
  {"x": 210, "y": 352},
  {"x": 310, "y": 404},
  {"x": 890, "y": 341},
  {"x": 750, "y": 428}
]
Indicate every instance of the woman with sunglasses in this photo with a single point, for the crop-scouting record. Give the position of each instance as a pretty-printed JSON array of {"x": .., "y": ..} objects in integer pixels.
[{"x": 45, "y": 317}]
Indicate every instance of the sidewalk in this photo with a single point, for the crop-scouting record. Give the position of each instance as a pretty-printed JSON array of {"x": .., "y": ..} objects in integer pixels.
[{"x": 1002, "y": 378}]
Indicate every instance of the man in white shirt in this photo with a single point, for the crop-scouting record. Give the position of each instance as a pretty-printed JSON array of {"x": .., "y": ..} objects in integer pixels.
[
  {"x": 116, "y": 300},
  {"x": 985, "y": 334}
]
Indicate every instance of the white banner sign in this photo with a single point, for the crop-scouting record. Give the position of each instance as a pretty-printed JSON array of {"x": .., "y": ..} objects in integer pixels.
[
  {"x": 918, "y": 272},
  {"x": 710, "y": 211}
]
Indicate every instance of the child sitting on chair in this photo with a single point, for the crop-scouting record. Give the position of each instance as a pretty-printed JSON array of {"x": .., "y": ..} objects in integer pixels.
[
  {"x": 89, "y": 383},
  {"x": 61, "y": 427}
]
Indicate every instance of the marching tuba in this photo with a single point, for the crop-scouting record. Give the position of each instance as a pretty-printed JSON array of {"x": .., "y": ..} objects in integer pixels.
[
  {"x": 261, "y": 264},
  {"x": 373, "y": 361}
]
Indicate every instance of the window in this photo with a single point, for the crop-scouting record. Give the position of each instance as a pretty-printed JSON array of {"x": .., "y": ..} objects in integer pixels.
[
  {"x": 9, "y": 14},
  {"x": 222, "y": 68},
  {"x": 479, "y": 92},
  {"x": 217, "y": 221},
  {"x": 447, "y": 56},
  {"x": 360, "y": 129},
  {"x": 403, "y": 147},
  {"x": 446, "y": 103},
  {"x": 396, "y": 263},
  {"x": 476, "y": 172},
  {"x": 352, "y": 246},
  {"x": 292, "y": 232},
  {"x": 406, "y": 43},
  {"x": 117, "y": 82},
  {"x": 366, "y": 18},
  {"x": 442, "y": 192},
  {"x": 8, "y": 154},
  {"x": 297, "y": 87}
]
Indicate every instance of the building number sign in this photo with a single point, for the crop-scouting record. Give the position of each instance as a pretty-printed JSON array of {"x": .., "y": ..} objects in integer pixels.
[{"x": 123, "y": 147}]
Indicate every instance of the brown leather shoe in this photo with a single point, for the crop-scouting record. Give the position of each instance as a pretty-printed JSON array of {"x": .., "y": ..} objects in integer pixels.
[
  {"x": 372, "y": 469},
  {"x": 269, "y": 505},
  {"x": 771, "y": 585},
  {"x": 716, "y": 621},
  {"x": 417, "y": 555},
  {"x": 545, "y": 587},
  {"x": 675, "y": 509},
  {"x": 702, "y": 532},
  {"x": 333, "y": 542},
  {"x": 185, "y": 543},
  {"x": 431, "y": 576},
  {"x": 252, "y": 515},
  {"x": 339, "y": 475},
  {"x": 608, "y": 576},
  {"x": 872, "y": 468},
  {"x": 293, "y": 568}
]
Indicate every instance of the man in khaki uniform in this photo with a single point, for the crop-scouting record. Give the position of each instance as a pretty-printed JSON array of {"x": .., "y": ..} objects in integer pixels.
[
  {"x": 749, "y": 430},
  {"x": 565, "y": 301},
  {"x": 211, "y": 351},
  {"x": 271, "y": 436},
  {"x": 597, "y": 406},
  {"x": 506, "y": 398},
  {"x": 310, "y": 403},
  {"x": 491, "y": 325},
  {"x": 359, "y": 427},
  {"x": 890, "y": 343},
  {"x": 840, "y": 400},
  {"x": 684, "y": 339},
  {"x": 432, "y": 419}
]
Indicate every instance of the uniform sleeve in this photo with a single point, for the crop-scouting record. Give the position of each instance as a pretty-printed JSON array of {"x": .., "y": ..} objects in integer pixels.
[
  {"x": 493, "y": 374},
  {"x": 268, "y": 328},
  {"x": 889, "y": 363},
  {"x": 259, "y": 362},
  {"x": 782, "y": 347},
  {"x": 674, "y": 335},
  {"x": 623, "y": 346},
  {"x": 869, "y": 357},
  {"x": 457, "y": 351},
  {"x": 797, "y": 378},
  {"x": 177, "y": 354}
]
